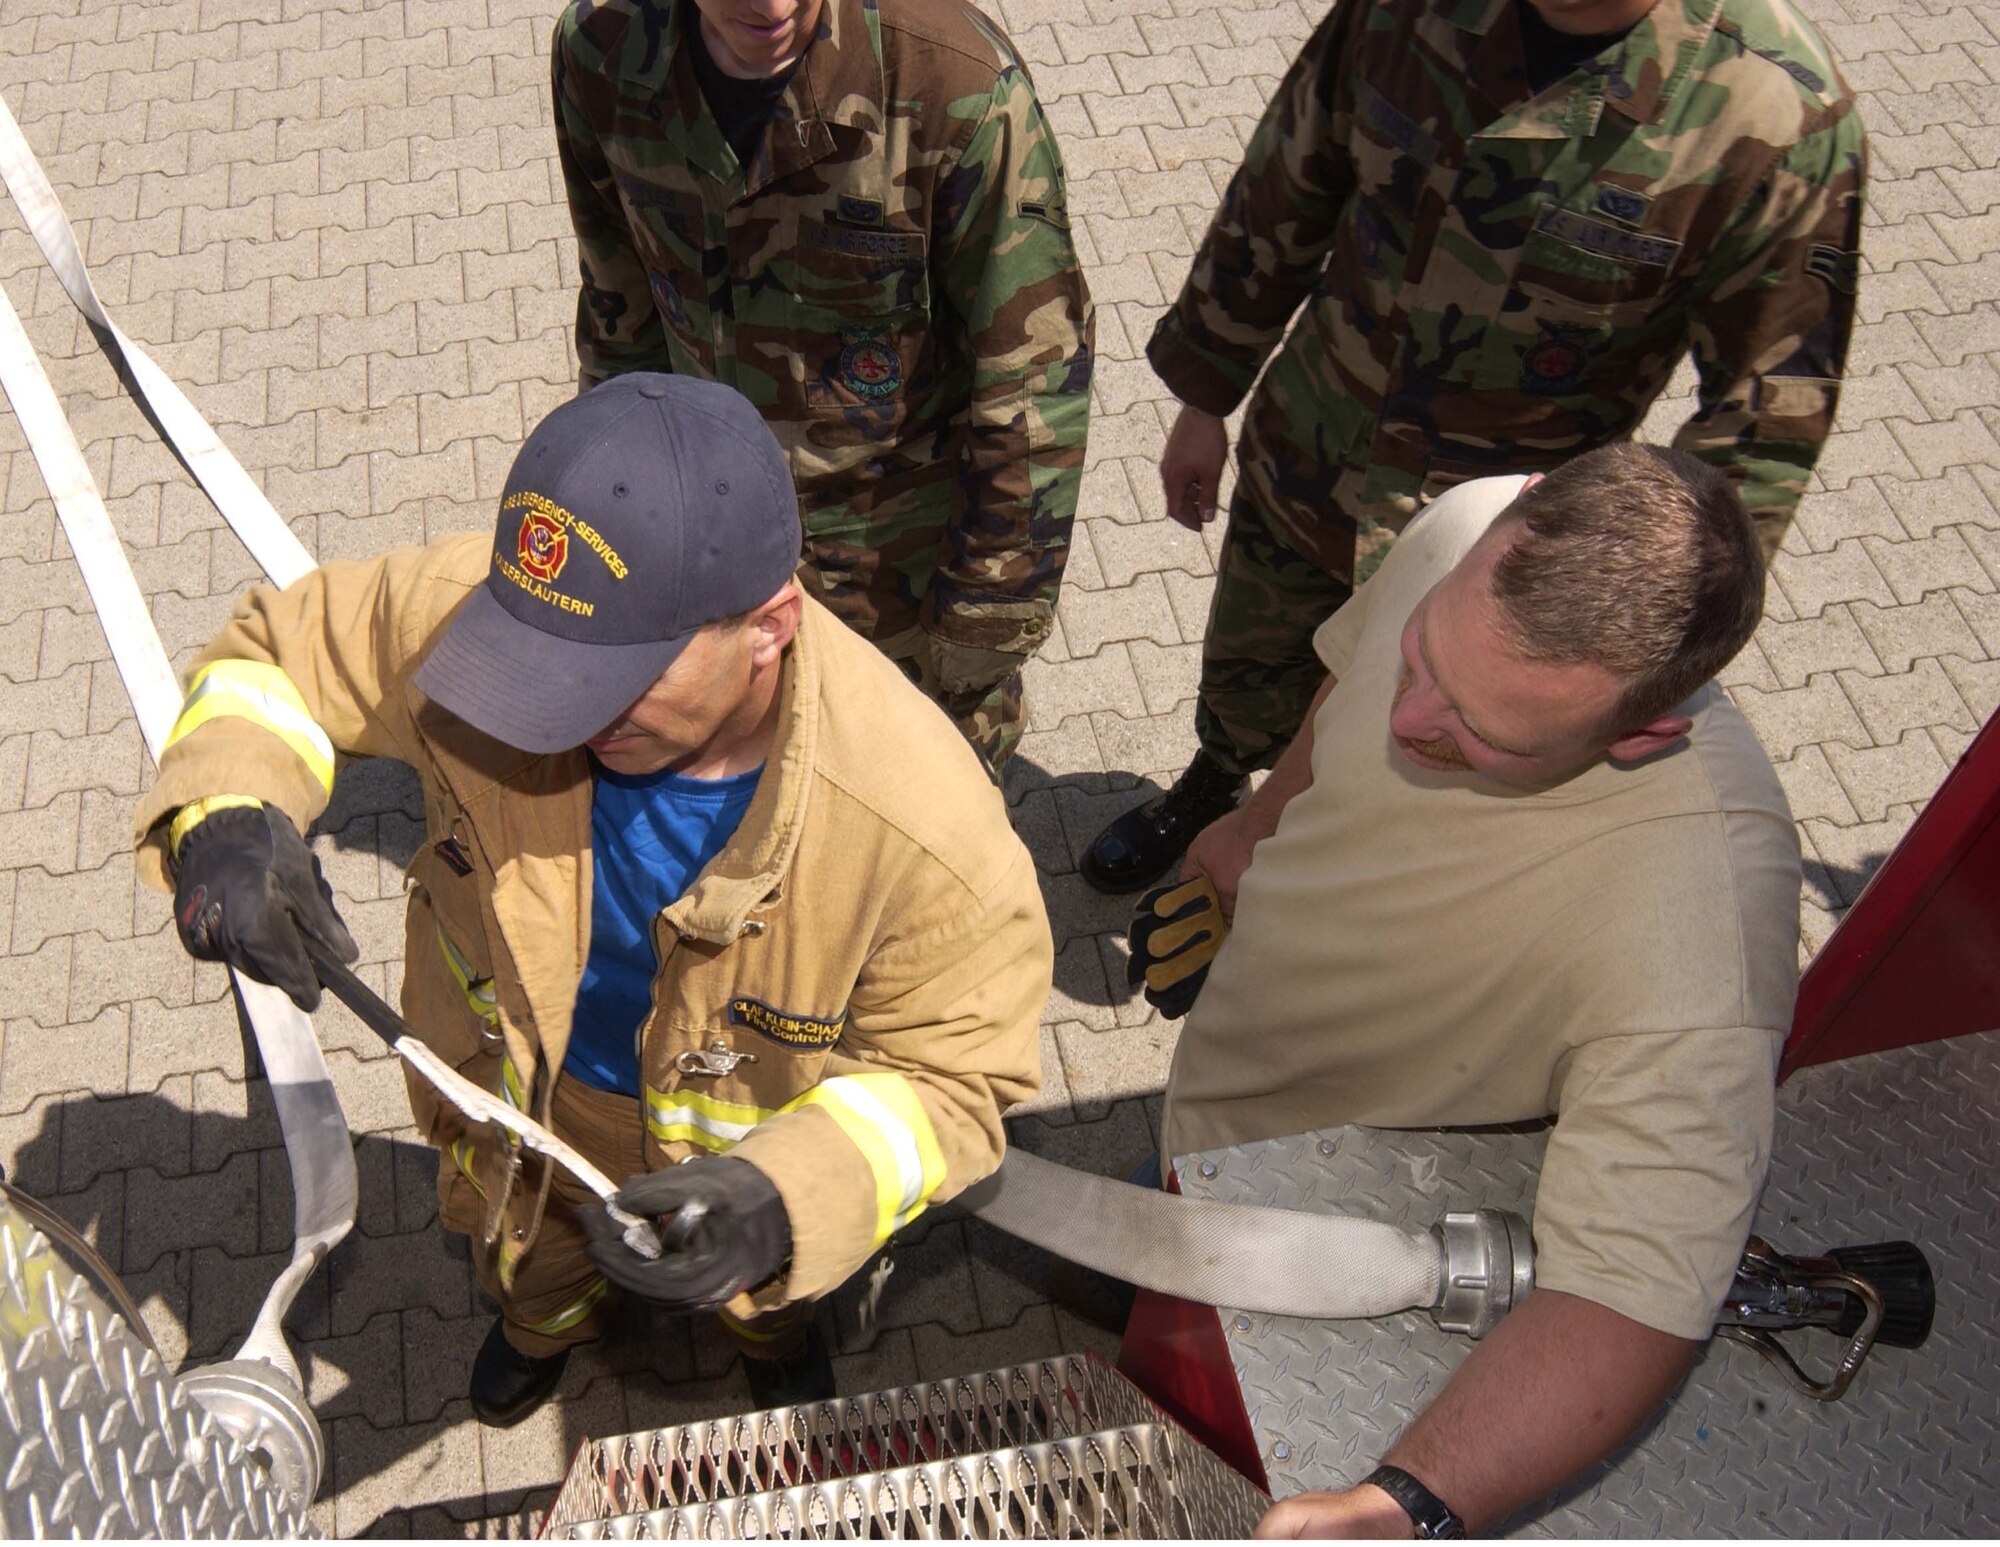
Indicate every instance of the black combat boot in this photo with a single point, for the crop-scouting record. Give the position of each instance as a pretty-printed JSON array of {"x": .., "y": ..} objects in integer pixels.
[
  {"x": 807, "y": 1376},
  {"x": 508, "y": 1385},
  {"x": 1144, "y": 844}
]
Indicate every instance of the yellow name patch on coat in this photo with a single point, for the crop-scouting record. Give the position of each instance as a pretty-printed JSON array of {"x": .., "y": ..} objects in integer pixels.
[{"x": 784, "y": 1028}]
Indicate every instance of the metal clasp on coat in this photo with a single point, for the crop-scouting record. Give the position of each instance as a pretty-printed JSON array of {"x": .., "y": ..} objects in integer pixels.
[{"x": 718, "y": 1058}]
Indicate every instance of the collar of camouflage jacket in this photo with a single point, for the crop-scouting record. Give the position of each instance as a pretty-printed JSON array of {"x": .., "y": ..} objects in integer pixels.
[
  {"x": 840, "y": 79},
  {"x": 1643, "y": 75},
  {"x": 839, "y": 82}
]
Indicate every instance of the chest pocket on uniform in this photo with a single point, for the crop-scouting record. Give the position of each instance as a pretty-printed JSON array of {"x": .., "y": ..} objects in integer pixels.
[
  {"x": 1583, "y": 288},
  {"x": 861, "y": 314}
]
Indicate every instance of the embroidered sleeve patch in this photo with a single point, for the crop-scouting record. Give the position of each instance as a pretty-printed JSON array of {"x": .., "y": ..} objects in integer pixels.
[
  {"x": 805, "y": 1032},
  {"x": 1842, "y": 270}
]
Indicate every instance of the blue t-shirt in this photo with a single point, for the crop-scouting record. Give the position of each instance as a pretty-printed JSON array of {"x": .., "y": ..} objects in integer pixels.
[{"x": 650, "y": 835}]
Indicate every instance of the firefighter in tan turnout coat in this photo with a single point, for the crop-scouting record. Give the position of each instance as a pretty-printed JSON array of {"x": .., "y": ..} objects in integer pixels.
[{"x": 832, "y": 1012}]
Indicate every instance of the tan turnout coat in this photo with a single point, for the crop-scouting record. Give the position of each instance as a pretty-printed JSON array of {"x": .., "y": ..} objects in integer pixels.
[{"x": 873, "y": 936}]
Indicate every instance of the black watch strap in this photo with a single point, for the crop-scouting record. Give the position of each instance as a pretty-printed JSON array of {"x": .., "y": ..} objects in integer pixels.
[{"x": 1432, "y": 1517}]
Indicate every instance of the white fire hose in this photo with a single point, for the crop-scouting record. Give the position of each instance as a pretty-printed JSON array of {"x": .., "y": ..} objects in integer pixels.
[{"x": 1281, "y": 1261}]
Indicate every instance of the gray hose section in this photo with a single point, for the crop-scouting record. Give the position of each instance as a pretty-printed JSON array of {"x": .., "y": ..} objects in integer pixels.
[
  {"x": 1272, "y": 1261},
  {"x": 317, "y": 1144}
]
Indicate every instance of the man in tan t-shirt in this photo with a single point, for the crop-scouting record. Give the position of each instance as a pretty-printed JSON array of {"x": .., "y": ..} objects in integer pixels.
[{"x": 1526, "y": 859}]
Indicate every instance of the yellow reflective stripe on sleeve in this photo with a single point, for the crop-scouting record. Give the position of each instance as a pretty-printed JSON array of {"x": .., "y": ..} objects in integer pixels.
[
  {"x": 886, "y": 1121},
  {"x": 572, "y": 1313},
  {"x": 511, "y": 1087},
  {"x": 195, "y": 812},
  {"x": 688, "y": 1117},
  {"x": 261, "y": 693},
  {"x": 479, "y": 991}
]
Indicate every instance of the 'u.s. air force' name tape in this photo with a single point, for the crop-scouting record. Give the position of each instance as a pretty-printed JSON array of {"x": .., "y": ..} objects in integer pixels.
[{"x": 784, "y": 1028}]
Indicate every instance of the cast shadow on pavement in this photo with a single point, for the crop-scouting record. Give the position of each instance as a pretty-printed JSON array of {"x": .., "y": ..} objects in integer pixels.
[{"x": 193, "y": 1211}]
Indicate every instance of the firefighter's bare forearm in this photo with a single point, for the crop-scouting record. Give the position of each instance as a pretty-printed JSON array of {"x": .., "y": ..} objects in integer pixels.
[
  {"x": 1221, "y": 850},
  {"x": 1555, "y": 1387},
  {"x": 1291, "y": 774}
]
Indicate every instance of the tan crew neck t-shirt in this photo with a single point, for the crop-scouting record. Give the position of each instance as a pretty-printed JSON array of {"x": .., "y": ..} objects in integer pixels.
[{"x": 1417, "y": 949}]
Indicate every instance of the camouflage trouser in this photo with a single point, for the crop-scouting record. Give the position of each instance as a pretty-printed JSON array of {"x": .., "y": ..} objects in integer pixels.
[
  {"x": 558, "y": 1298},
  {"x": 1258, "y": 667},
  {"x": 881, "y": 602},
  {"x": 991, "y": 719}
]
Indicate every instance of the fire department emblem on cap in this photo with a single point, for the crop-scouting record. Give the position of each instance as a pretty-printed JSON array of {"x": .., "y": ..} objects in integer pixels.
[
  {"x": 869, "y": 368},
  {"x": 543, "y": 546}
]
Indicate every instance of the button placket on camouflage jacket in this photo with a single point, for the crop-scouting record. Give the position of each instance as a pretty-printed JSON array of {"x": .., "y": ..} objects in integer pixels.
[
  {"x": 890, "y": 278},
  {"x": 1496, "y": 279}
]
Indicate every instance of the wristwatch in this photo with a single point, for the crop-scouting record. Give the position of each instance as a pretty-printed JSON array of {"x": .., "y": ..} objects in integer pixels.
[{"x": 1432, "y": 1517}]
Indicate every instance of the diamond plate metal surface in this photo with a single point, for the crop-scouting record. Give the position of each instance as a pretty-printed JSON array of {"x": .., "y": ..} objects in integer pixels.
[
  {"x": 1064, "y": 1448},
  {"x": 97, "y": 1437},
  {"x": 1900, "y": 1145}
]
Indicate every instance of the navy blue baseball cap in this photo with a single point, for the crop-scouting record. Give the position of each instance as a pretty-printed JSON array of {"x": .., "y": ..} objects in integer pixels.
[{"x": 633, "y": 516}]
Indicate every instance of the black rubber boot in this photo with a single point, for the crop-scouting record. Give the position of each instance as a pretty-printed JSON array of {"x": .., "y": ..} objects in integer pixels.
[
  {"x": 805, "y": 1377},
  {"x": 508, "y": 1385},
  {"x": 1144, "y": 844}
]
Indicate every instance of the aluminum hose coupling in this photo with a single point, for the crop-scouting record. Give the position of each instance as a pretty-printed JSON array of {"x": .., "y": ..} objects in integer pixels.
[{"x": 1488, "y": 1269}]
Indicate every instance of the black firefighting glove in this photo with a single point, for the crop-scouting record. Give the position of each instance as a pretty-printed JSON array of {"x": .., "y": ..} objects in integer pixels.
[
  {"x": 728, "y": 1232},
  {"x": 245, "y": 885},
  {"x": 1176, "y": 931}
]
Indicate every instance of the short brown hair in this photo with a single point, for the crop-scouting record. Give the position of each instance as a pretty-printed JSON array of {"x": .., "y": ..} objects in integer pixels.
[{"x": 1639, "y": 560}]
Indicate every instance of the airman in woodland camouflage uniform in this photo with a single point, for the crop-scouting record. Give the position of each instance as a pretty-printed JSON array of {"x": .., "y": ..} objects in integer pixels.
[
  {"x": 1507, "y": 221},
  {"x": 886, "y": 270}
]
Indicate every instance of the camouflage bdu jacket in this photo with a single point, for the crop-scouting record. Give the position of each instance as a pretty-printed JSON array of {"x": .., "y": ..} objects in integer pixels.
[
  {"x": 890, "y": 279},
  {"x": 1495, "y": 280}
]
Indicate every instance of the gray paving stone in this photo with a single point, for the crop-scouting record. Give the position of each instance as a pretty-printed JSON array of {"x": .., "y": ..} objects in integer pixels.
[
  {"x": 1056, "y": 691},
  {"x": 1829, "y": 641},
  {"x": 1978, "y": 683},
  {"x": 537, "y": 1452},
  {"x": 1081, "y": 994},
  {"x": 1861, "y": 508},
  {"x": 379, "y": 1470},
  {"x": 359, "y": 1375},
  {"x": 1982, "y": 615},
  {"x": 1913, "y": 569},
  {"x": 369, "y": 1276},
  {"x": 1847, "y": 573},
  {"x": 1936, "y": 626},
  {"x": 1817, "y": 713},
  {"x": 1853, "y": 854},
  {"x": 1985, "y": 547},
  {"x": 78, "y": 1057},
  {"x": 1107, "y": 1066},
  {"x": 1812, "y": 789},
  {"x": 1879, "y": 778}
]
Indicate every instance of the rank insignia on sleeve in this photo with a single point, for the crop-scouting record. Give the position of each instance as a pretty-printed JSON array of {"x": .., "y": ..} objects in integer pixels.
[
  {"x": 806, "y": 1033},
  {"x": 869, "y": 367},
  {"x": 1842, "y": 270},
  {"x": 1554, "y": 362}
]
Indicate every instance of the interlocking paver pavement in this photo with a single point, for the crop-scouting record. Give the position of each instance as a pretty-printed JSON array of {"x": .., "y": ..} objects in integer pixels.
[{"x": 336, "y": 222}]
